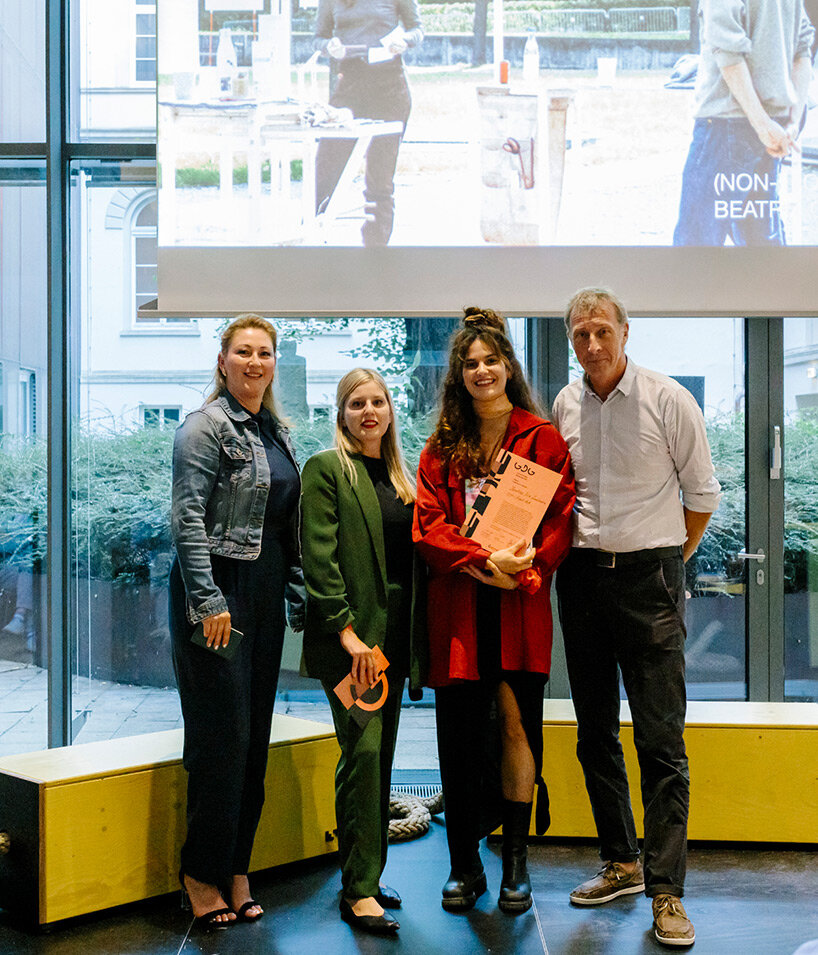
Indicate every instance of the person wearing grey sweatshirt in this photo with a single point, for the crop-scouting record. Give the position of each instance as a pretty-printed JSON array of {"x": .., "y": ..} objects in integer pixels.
[{"x": 751, "y": 92}]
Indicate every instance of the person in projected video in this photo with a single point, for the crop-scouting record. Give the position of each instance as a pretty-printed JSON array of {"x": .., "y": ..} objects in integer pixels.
[
  {"x": 751, "y": 90},
  {"x": 367, "y": 40}
]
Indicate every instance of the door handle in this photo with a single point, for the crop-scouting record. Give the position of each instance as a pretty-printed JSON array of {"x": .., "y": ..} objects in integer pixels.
[
  {"x": 775, "y": 455},
  {"x": 760, "y": 556}
]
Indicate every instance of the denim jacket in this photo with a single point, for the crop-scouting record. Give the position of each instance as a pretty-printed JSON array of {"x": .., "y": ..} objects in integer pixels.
[{"x": 221, "y": 479}]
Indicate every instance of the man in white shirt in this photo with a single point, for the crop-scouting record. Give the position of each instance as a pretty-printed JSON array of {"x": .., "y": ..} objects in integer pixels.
[{"x": 645, "y": 492}]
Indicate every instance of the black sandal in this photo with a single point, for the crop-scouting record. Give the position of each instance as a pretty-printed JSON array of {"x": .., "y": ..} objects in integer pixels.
[
  {"x": 209, "y": 920},
  {"x": 241, "y": 913}
]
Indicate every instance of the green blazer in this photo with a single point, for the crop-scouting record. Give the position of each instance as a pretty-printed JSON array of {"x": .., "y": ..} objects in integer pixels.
[{"x": 344, "y": 560}]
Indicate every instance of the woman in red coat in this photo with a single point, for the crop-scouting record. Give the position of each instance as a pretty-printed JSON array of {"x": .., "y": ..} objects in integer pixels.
[{"x": 489, "y": 641}]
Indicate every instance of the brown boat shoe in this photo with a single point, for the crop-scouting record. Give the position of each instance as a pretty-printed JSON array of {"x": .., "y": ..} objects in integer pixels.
[
  {"x": 671, "y": 926},
  {"x": 610, "y": 882}
]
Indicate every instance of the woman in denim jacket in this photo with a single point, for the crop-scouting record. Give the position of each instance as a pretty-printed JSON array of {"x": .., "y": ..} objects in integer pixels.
[{"x": 235, "y": 526}]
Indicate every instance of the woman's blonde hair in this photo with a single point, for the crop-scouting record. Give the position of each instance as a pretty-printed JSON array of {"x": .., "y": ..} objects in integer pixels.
[
  {"x": 239, "y": 323},
  {"x": 391, "y": 452}
]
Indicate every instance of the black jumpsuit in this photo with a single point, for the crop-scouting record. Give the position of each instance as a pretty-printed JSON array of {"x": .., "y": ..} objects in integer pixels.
[{"x": 228, "y": 705}]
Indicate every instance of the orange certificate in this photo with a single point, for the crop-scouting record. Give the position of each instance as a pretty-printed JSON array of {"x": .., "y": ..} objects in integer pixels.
[{"x": 512, "y": 502}]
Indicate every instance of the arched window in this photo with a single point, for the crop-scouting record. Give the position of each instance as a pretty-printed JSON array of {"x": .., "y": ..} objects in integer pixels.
[{"x": 143, "y": 244}]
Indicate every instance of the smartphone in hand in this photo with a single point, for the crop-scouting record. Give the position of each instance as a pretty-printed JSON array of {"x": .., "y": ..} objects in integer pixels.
[{"x": 225, "y": 652}]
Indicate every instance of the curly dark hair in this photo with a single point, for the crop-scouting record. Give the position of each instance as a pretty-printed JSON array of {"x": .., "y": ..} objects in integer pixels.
[{"x": 456, "y": 438}]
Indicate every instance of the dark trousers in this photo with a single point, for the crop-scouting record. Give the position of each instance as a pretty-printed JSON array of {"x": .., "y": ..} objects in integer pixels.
[
  {"x": 469, "y": 748},
  {"x": 729, "y": 188},
  {"x": 227, "y": 708},
  {"x": 371, "y": 92},
  {"x": 362, "y": 783},
  {"x": 631, "y": 620}
]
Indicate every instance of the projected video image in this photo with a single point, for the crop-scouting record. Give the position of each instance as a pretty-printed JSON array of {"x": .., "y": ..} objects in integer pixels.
[{"x": 347, "y": 123}]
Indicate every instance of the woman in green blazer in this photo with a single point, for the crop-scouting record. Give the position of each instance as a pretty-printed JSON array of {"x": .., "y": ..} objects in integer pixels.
[{"x": 361, "y": 578}]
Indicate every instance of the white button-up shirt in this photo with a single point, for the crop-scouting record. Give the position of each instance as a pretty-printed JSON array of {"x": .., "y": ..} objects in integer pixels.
[{"x": 638, "y": 457}]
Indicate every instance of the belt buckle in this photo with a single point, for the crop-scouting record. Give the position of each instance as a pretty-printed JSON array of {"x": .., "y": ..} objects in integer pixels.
[{"x": 606, "y": 559}]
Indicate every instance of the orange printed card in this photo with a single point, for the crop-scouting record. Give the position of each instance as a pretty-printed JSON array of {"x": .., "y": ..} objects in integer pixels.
[
  {"x": 361, "y": 700},
  {"x": 511, "y": 503}
]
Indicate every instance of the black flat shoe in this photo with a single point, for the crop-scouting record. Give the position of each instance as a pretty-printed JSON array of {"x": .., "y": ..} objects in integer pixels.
[
  {"x": 387, "y": 897},
  {"x": 374, "y": 924},
  {"x": 462, "y": 891},
  {"x": 241, "y": 913}
]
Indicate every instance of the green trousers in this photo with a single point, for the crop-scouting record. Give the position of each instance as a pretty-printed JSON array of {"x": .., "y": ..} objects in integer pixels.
[{"x": 362, "y": 782}]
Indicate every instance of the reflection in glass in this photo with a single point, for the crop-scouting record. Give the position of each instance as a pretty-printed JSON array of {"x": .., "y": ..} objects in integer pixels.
[
  {"x": 23, "y": 382},
  {"x": 113, "y": 82},
  {"x": 801, "y": 509},
  {"x": 128, "y": 383},
  {"x": 22, "y": 71},
  {"x": 135, "y": 379}
]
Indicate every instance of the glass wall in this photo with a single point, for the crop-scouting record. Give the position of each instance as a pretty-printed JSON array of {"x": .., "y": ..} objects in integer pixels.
[
  {"x": 800, "y": 474},
  {"x": 707, "y": 357},
  {"x": 122, "y": 375},
  {"x": 133, "y": 379},
  {"x": 22, "y": 71},
  {"x": 23, "y": 383},
  {"x": 113, "y": 77}
]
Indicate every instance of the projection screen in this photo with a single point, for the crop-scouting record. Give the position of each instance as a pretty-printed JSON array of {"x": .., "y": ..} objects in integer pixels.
[{"x": 286, "y": 187}]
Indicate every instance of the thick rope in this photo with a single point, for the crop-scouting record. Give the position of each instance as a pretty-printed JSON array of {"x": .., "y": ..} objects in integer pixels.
[{"x": 410, "y": 815}]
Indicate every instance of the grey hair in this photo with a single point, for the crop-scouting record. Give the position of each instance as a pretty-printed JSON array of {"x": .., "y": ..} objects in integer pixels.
[{"x": 588, "y": 300}]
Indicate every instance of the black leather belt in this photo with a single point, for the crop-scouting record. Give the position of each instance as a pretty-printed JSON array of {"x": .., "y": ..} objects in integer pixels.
[{"x": 610, "y": 559}]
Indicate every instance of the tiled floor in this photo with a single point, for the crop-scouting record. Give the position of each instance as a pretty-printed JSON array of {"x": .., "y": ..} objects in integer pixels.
[
  {"x": 103, "y": 710},
  {"x": 742, "y": 902},
  {"x": 746, "y": 901},
  {"x": 114, "y": 710}
]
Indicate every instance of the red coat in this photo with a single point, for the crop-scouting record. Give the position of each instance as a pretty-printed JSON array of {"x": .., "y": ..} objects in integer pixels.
[{"x": 525, "y": 619}]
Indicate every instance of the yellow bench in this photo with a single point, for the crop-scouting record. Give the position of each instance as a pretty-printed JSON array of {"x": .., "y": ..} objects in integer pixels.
[
  {"x": 100, "y": 824},
  {"x": 753, "y": 771}
]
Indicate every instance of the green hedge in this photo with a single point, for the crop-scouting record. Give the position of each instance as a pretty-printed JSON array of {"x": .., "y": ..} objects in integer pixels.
[
  {"x": 455, "y": 16},
  {"x": 122, "y": 483}
]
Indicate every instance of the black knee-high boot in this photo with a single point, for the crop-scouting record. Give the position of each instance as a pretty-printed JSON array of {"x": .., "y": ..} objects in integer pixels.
[{"x": 515, "y": 889}]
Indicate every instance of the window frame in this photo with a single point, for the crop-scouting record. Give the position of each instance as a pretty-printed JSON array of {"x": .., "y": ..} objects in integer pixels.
[
  {"x": 138, "y": 10},
  {"x": 162, "y": 422},
  {"x": 135, "y": 232}
]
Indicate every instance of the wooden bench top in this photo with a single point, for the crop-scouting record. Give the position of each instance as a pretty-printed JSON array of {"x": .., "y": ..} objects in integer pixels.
[
  {"x": 132, "y": 753},
  {"x": 712, "y": 713}
]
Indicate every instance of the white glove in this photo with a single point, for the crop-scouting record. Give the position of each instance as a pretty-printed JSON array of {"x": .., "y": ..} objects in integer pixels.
[{"x": 336, "y": 49}]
